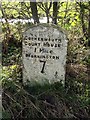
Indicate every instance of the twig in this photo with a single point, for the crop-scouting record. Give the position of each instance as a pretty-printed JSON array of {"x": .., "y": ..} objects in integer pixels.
[
  {"x": 25, "y": 91},
  {"x": 48, "y": 104},
  {"x": 12, "y": 99},
  {"x": 20, "y": 112},
  {"x": 7, "y": 106},
  {"x": 38, "y": 110}
]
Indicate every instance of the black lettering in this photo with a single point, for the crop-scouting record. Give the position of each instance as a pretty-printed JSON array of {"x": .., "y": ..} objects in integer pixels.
[
  {"x": 51, "y": 51},
  {"x": 32, "y": 56},
  {"x": 45, "y": 39},
  {"x": 55, "y": 45},
  {"x": 52, "y": 45},
  {"x": 26, "y": 43},
  {"x": 35, "y": 56},
  {"x": 29, "y": 38},
  {"x": 44, "y": 56},
  {"x": 52, "y": 40},
  {"x": 46, "y": 44},
  {"x": 35, "y": 50},
  {"x": 38, "y": 56},
  {"x": 27, "y": 55},
  {"x": 59, "y": 40},
  {"x": 25, "y": 38},
  {"x": 41, "y": 49},
  {"x": 59, "y": 45},
  {"x": 31, "y": 34},
  {"x": 41, "y": 39},
  {"x": 53, "y": 57},
  {"x": 56, "y": 74},
  {"x": 55, "y": 39},
  {"x": 34, "y": 44},
  {"x": 42, "y": 71},
  {"x": 50, "y": 56},
  {"x": 38, "y": 39},
  {"x": 29, "y": 44},
  {"x": 38, "y": 44},
  {"x": 57, "y": 57},
  {"x": 35, "y": 35}
]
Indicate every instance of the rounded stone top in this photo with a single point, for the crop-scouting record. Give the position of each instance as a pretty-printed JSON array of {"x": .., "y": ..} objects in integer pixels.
[{"x": 47, "y": 25}]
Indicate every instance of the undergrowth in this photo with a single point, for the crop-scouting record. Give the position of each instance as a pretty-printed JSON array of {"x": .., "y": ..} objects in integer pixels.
[{"x": 50, "y": 100}]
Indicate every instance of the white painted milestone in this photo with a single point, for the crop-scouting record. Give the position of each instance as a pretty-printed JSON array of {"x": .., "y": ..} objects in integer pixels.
[{"x": 44, "y": 54}]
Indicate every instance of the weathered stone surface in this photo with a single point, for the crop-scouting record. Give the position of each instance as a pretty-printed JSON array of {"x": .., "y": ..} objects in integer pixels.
[{"x": 44, "y": 54}]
